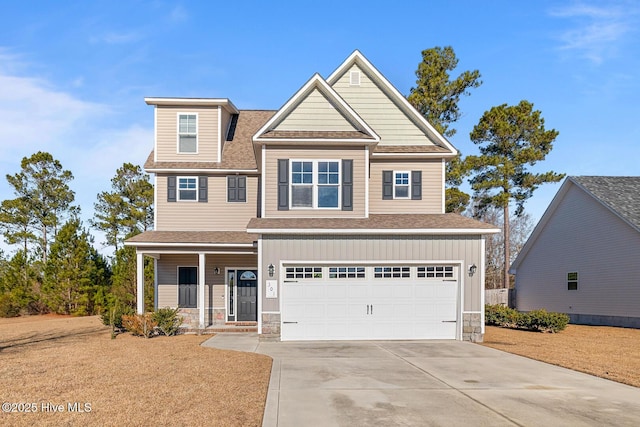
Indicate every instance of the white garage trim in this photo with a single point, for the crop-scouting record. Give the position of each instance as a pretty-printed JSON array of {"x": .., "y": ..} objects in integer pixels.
[{"x": 367, "y": 287}]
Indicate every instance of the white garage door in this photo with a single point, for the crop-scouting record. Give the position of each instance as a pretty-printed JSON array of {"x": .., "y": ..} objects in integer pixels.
[{"x": 369, "y": 302}]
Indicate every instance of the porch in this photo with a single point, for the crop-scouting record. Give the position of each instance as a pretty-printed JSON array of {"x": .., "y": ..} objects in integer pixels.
[{"x": 211, "y": 276}]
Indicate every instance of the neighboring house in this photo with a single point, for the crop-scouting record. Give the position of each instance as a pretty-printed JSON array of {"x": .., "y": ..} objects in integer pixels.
[
  {"x": 323, "y": 220},
  {"x": 583, "y": 257}
]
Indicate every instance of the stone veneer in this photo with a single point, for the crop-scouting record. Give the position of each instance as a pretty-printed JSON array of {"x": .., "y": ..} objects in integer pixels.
[
  {"x": 191, "y": 317},
  {"x": 270, "y": 326},
  {"x": 472, "y": 327}
]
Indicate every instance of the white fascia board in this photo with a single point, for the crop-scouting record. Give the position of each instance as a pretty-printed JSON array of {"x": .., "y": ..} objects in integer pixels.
[
  {"x": 324, "y": 141},
  {"x": 316, "y": 82},
  {"x": 190, "y": 245},
  {"x": 413, "y": 231},
  {"x": 439, "y": 155},
  {"x": 358, "y": 58},
  {"x": 194, "y": 251},
  {"x": 184, "y": 102},
  {"x": 192, "y": 171}
]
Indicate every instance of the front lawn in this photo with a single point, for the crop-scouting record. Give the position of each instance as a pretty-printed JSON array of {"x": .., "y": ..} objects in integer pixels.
[
  {"x": 612, "y": 353},
  {"x": 52, "y": 361}
]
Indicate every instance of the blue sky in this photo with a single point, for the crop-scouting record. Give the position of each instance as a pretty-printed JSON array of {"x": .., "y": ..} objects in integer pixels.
[{"x": 73, "y": 74}]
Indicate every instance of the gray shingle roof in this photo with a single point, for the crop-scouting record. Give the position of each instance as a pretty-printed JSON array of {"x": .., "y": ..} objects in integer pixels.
[{"x": 619, "y": 193}]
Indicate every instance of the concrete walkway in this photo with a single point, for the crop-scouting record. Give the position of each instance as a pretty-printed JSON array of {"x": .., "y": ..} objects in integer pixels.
[{"x": 435, "y": 383}]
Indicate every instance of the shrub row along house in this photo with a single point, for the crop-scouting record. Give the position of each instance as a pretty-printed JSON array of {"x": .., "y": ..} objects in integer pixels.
[{"x": 323, "y": 220}]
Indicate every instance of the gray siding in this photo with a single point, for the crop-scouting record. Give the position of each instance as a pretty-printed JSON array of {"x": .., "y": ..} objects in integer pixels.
[
  {"x": 167, "y": 134},
  {"x": 377, "y": 109},
  {"x": 583, "y": 236},
  {"x": 271, "y": 179},
  {"x": 216, "y": 214},
  {"x": 214, "y": 291},
  {"x": 371, "y": 248},
  {"x": 315, "y": 113},
  {"x": 432, "y": 188}
]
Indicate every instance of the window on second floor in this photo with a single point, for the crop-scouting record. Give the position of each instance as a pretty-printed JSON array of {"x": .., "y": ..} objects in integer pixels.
[
  {"x": 187, "y": 133},
  {"x": 401, "y": 185},
  {"x": 187, "y": 189},
  {"x": 315, "y": 184}
]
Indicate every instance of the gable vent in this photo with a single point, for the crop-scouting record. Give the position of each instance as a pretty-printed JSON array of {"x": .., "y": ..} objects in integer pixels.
[{"x": 354, "y": 78}]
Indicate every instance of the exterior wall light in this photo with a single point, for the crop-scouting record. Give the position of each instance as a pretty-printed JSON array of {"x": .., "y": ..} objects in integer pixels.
[
  {"x": 271, "y": 270},
  {"x": 472, "y": 270},
  {"x": 216, "y": 270}
]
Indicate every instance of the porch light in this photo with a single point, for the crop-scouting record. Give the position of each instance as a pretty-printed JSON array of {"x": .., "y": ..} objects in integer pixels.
[
  {"x": 271, "y": 269},
  {"x": 216, "y": 270},
  {"x": 472, "y": 269}
]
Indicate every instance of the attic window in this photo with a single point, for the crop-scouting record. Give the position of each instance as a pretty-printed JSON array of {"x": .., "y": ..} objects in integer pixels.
[{"x": 354, "y": 78}]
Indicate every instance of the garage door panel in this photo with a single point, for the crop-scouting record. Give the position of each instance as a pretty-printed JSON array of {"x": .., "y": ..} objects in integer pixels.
[{"x": 370, "y": 308}]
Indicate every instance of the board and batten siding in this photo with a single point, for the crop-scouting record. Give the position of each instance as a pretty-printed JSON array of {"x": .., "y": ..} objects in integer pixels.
[
  {"x": 358, "y": 155},
  {"x": 315, "y": 113},
  {"x": 379, "y": 111},
  {"x": 214, "y": 283},
  {"x": 585, "y": 237},
  {"x": 367, "y": 248},
  {"x": 432, "y": 188},
  {"x": 216, "y": 214},
  {"x": 167, "y": 134}
]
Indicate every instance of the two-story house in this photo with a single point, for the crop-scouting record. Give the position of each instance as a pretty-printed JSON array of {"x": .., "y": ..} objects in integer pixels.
[{"x": 323, "y": 220}]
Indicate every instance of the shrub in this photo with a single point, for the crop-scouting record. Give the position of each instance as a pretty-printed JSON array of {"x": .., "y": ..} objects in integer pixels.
[
  {"x": 113, "y": 315},
  {"x": 141, "y": 325},
  {"x": 8, "y": 306},
  {"x": 536, "y": 320},
  {"x": 168, "y": 320}
]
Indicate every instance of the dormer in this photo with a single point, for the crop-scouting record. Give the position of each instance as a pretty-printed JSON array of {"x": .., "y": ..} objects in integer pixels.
[{"x": 191, "y": 129}]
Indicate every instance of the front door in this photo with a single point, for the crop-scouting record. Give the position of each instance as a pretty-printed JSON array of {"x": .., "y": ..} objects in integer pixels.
[{"x": 247, "y": 295}]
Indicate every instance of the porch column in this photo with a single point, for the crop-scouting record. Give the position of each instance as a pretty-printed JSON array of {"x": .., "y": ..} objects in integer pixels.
[
  {"x": 140, "y": 281},
  {"x": 201, "y": 276}
]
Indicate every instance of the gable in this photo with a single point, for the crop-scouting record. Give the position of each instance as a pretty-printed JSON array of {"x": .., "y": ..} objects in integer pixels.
[
  {"x": 315, "y": 113},
  {"x": 380, "y": 104},
  {"x": 379, "y": 110}
]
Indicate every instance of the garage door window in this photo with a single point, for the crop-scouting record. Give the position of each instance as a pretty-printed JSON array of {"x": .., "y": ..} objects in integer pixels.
[
  {"x": 346, "y": 273},
  {"x": 435, "y": 271},
  {"x": 389, "y": 272},
  {"x": 303, "y": 273}
]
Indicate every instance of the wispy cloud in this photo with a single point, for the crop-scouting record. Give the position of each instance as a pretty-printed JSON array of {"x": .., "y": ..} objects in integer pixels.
[
  {"x": 595, "y": 31},
  {"x": 178, "y": 14},
  {"x": 114, "y": 37}
]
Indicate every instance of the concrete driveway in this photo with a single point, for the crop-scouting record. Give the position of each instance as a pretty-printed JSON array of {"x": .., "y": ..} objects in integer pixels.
[{"x": 428, "y": 383}]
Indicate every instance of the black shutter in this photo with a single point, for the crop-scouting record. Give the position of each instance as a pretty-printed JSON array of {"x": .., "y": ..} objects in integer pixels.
[
  {"x": 347, "y": 185},
  {"x": 283, "y": 184},
  {"x": 242, "y": 188},
  {"x": 171, "y": 189},
  {"x": 416, "y": 185},
  {"x": 236, "y": 188},
  {"x": 203, "y": 191},
  {"x": 387, "y": 185},
  {"x": 232, "y": 189}
]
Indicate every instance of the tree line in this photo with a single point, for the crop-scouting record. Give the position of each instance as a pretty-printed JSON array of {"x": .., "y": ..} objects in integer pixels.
[{"x": 55, "y": 266}]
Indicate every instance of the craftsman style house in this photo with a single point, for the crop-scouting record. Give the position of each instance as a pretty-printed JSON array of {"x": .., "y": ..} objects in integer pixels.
[{"x": 323, "y": 220}]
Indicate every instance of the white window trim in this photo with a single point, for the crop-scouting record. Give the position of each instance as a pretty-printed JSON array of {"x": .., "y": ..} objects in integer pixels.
[
  {"x": 314, "y": 184},
  {"x": 178, "y": 199},
  {"x": 183, "y": 113},
  {"x": 408, "y": 185}
]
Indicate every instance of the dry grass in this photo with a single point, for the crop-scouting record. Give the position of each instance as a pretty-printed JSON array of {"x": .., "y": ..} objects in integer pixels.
[
  {"x": 126, "y": 381},
  {"x": 611, "y": 353}
]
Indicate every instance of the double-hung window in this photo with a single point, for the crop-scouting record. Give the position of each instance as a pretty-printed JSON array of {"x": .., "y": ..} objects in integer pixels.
[
  {"x": 187, "y": 188},
  {"x": 401, "y": 185},
  {"x": 187, "y": 133},
  {"x": 315, "y": 184}
]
